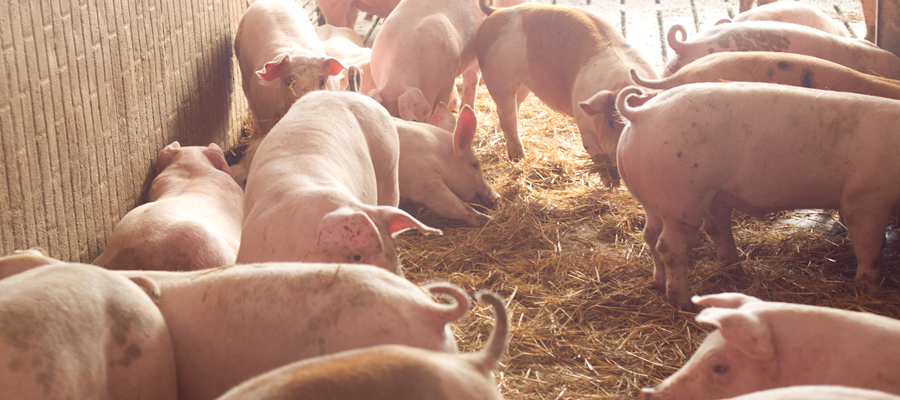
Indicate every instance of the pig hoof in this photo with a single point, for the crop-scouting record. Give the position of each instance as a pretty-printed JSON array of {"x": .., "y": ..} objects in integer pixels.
[
  {"x": 735, "y": 269},
  {"x": 868, "y": 285},
  {"x": 658, "y": 287},
  {"x": 515, "y": 155}
]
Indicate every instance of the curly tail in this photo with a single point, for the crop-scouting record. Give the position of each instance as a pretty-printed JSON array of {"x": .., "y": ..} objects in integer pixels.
[
  {"x": 451, "y": 312},
  {"x": 488, "y": 10},
  {"x": 664, "y": 83},
  {"x": 673, "y": 41},
  {"x": 622, "y": 102},
  {"x": 496, "y": 346}
]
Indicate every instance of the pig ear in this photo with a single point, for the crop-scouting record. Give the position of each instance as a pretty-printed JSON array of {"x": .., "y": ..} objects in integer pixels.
[
  {"x": 333, "y": 66},
  {"x": 443, "y": 118},
  {"x": 412, "y": 105},
  {"x": 215, "y": 155},
  {"x": 399, "y": 221},
  {"x": 351, "y": 232},
  {"x": 724, "y": 300},
  {"x": 273, "y": 69},
  {"x": 602, "y": 102},
  {"x": 166, "y": 156},
  {"x": 465, "y": 130},
  {"x": 742, "y": 329}
]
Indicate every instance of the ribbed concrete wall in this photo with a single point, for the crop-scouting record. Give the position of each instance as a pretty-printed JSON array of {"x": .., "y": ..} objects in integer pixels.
[{"x": 90, "y": 91}]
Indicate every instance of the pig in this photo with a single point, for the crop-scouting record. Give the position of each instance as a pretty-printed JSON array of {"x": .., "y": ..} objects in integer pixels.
[
  {"x": 76, "y": 331},
  {"x": 795, "y": 13},
  {"x": 695, "y": 152},
  {"x": 784, "y": 38},
  {"x": 782, "y": 68},
  {"x": 822, "y": 392},
  {"x": 343, "y": 13},
  {"x": 281, "y": 59},
  {"x": 24, "y": 260},
  {"x": 573, "y": 60},
  {"x": 345, "y": 45},
  {"x": 388, "y": 372},
  {"x": 439, "y": 170},
  {"x": 323, "y": 186},
  {"x": 868, "y": 8},
  {"x": 421, "y": 49},
  {"x": 233, "y": 323},
  {"x": 760, "y": 345},
  {"x": 192, "y": 218}
]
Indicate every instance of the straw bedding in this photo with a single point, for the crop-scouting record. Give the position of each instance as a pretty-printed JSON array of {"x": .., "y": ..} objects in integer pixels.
[{"x": 568, "y": 255}]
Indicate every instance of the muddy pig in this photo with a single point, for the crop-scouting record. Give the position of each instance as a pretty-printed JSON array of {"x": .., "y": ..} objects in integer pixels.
[
  {"x": 281, "y": 59},
  {"x": 439, "y": 170},
  {"x": 76, "y": 331},
  {"x": 323, "y": 186},
  {"x": 192, "y": 218},
  {"x": 783, "y": 38},
  {"x": 695, "y": 152},
  {"x": 388, "y": 372},
  {"x": 761, "y": 345},
  {"x": 233, "y": 323},
  {"x": 573, "y": 60}
]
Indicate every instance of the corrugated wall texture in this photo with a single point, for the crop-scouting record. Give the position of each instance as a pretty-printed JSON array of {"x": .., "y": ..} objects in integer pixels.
[{"x": 90, "y": 91}]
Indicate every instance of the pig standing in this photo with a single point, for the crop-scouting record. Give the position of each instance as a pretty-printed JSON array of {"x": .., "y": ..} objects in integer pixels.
[
  {"x": 323, "y": 186},
  {"x": 388, "y": 372},
  {"x": 574, "y": 61},
  {"x": 192, "y": 219},
  {"x": 782, "y": 68},
  {"x": 784, "y": 38},
  {"x": 75, "y": 331},
  {"x": 421, "y": 49},
  {"x": 439, "y": 170},
  {"x": 817, "y": 393},
  {"x": 765, "y": 345},
  {"x": 345, "y": 45},
  {"x": 233, "y": 323},
  {"x": 795, "y": 13},
  {"x": 281, "y": 59},
  {"x": 698, "y": 151}
]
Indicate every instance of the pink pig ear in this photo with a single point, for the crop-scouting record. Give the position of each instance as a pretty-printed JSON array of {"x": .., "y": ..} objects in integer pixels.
[
  {"x": 724, "y": 300},
  {"x": 273, "y": 69},
  {"x": 215, "y": 155},
  {"x": 443, "y": 118},
  {"x": 399, "y": 221},
  {"x": 166, "y": 156},
  {"x": 413, "y": 106},
  {"x": 333, "y": 66},
  {"x": 742, "y": 329},
  {"x": 602, "y": 102},
  {"x": 465, "y": 130},
  {"x": 350, "y": 232}
]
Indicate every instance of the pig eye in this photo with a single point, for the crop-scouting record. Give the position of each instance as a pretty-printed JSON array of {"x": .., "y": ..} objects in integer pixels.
[
  {"x": 719, "y": 368},
  {"x": 321, "y": 82},
  {"x": 475, "y": 165},
  {"x": 357, "y": 257},
  {"x": 611, "y": 124}
]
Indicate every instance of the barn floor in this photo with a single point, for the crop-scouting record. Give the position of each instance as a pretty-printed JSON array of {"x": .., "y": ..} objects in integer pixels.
[{"x": 568, "y": 255}]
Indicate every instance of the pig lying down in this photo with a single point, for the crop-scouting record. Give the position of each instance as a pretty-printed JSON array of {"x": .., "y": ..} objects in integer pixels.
[
  {"x": 192, "y": 218},
  {"x": 794, "y": 13},
  {"x": 438, "y": 169},
  {"x": 695, "y": 152},
  {"x": 782, "y": 68},
  {"x": 75, "y": 331},
  {"x": 24, "y": 260},
  {"x": 281, "y": 59},
  {"x": 783, "y": 38},
  {"x": 388, "y": 372},
  {"x": 573, "y": 60},
  {"x": 761, "y": 345},
  {"x": 233, "y": 323},
  {"x": 323, "y": 186}
]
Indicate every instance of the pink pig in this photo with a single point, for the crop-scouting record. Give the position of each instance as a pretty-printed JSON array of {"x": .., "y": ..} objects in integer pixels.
[
  {"x": 761, "y": 345},
  {"x": 695, "y": 152},
  {"x": 868, "y": 8},
  {"x": 281, "y": 59},
  {"x": 343, "y": 13},
  {"x": 388, "y": 372},
  {"x": 421, "y": 49},
  {"x": 781, "y": 37},
  {"x": 323, "y": 186},
  {"x": 345, "y": 45},
  {"x": 813, "y": 392},
  {"x": 233, "y": 323},
  {"x": 439, "y": 170},
  {"x": 76, "y": 331},
  {"x": 192, "y": 218},
  {"x": 795, "y": 13}
]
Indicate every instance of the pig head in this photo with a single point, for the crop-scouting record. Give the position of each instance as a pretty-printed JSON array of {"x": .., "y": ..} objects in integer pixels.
[
  {"x": 192, "y": 219},
  {"x": 765, "y": 345},
  {"x": 438, "y": 169},
  {"x": 346, "y": 45},
  {"x": 323, "y": 186},
  {"x": 281, "y": 59}
]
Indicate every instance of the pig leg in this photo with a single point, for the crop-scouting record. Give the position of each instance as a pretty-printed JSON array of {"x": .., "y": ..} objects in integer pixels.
[
  {"x": 718, "y": 226},
  {"x": 470, "y": 85},
  {"x": 866, "y": 223},
  {"x": 674, "y": 246},
  {"x": 652, "y": 229},
  {"x": 336, "y": 11},
  {"x": 505, "y": 97},
  {"x": 443, "y": 202}
]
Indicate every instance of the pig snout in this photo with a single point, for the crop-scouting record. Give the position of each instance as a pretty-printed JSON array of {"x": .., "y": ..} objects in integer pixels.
[
  {"x": 487, "y": 198},
  {"x": 608, "y": 170},
  {"x": 647, "y": 393}
]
